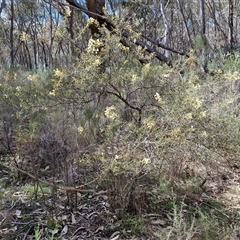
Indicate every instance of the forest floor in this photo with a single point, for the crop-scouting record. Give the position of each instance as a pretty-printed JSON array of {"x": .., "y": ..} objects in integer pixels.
[{"x": 27, "y": 213}]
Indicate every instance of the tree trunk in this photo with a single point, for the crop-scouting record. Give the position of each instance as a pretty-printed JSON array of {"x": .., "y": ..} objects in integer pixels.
[
  {"x": 3, "y": 5},
  {"x": 184, "y": 21},
  {"x": 230, "y": 24},
  {"x": 11, "y": 33},
  {"x": 167, "y": 32},
  {"x": 96, "y": 7},
  {"x": 204, "y": 39},
  {"x": 203, "y": 17}
]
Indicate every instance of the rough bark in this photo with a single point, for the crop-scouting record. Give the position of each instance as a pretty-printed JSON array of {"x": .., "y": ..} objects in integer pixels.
[
  {"x": 96, "y": 6},
  {"x": 11, "y": 32},
  {"x": 204, "y": 38},
  {"x": 230, "y": 23},
  {"x": 180, "y": 4},
  {"x": 167, "y": 32}
]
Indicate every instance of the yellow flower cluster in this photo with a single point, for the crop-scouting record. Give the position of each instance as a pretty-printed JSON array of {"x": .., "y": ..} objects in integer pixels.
[
  {"x": 110, "y": 113},
  {"x": 52, "y": 93},
  {"x": 175, "y": 132},
  {"x": 59, "y": 32},
  {"x": 232, "y": 76},
  {"x": 122, "y": 47},
  {"x": 9, "y": 75},
  {"x": 97, "y": 62},
  {"x": 192, "y": 129},
  {"x": 197, "y": 103},
  {"x": 158, "y": 98},
  {"x": 146, "y": 69},
  {"x": 94, "y": 45},
  {"x": 149, "y": 123},
  {"x": 6, "y": 75},
  {"x": 188, "y": 116},
  {"x": 193, "y": 102},
  {"x": 229, "y": 101},
  {"x": 67, "y": 13},
  {"x": 134, "y": 78},
  {"x": 80, "y": 129},
  {"x": 145, "y": 160},
  {"x": 93, "y": 21},
  {"x": 203, "y": 114},
  {"x": 24, "y": 37},
  {"x": 58, "y": 73},
  {"x": 33, "y": 77},
  {"x": 204, "y": 134},
  {"x": 18, "y": 88}
]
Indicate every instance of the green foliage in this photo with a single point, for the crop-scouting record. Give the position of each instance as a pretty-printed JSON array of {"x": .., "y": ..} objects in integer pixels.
[
  {"x": 231, "y": 63},
  {"x": 200, "y": 42},
  {"x": 38, "y": 233},
  {"x": 132, "y": 223}
]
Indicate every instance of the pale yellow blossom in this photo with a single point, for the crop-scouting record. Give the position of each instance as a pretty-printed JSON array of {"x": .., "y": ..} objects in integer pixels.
[
  {"x": 7, "y": 75},
  {"x": 122, "y": 47},
  {"x": 203, "y": 114},
  {"x": 192, "y": 129},
  {"x": 52, "y": 92},
  {"x": 197, "y": 104},
  {"x": 18, "y": 88},
  {"x": 59, "y": 32},
  {"x": 80, "y": 129},
  {"x": 94, "y": 45},
  {"x": 110, "y": 113},
  {"x": 149, "y": 123},
  {"x": 58, "y": 73},
  {"x": 146, "y": 69},
  {"x": 145, "y": 160},
  {"x": 204, "y": 134},
  {"x": 175, "y": 132},
  {"x": 229, "y": 101},
  {"x": 97, "y": 62},
  {"x": 188, "y": 116},
  {"x": 93, "y": 21},
  {"x": 134, "y": 78},
  {"x": 24, "y": 37},
  {"x": 67, "y": 12},
  {"x": 33, "y": 77},
  {"x": 232, "y": 76},
  {"x": 158, "y": 98}
]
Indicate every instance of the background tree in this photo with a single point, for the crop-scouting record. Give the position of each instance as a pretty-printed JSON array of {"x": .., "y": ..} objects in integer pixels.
[
  {"x": 230, "y": 22},
  {"x": 38, "y": 30},
  {"x": 11, "y": 33}
]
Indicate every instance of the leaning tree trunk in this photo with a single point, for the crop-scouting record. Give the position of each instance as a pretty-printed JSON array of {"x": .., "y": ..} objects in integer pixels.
[
  {"x": 180, "y": 4},
  {"x": 230, "y": 24},
  {"x": 11, "y": 33},
  {"x": 204, "y": 39},
  {"x": 167, "y": 32}
]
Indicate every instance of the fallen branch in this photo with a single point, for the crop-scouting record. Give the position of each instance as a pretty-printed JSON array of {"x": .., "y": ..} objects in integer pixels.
[{"x": 61, "y": 187}]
